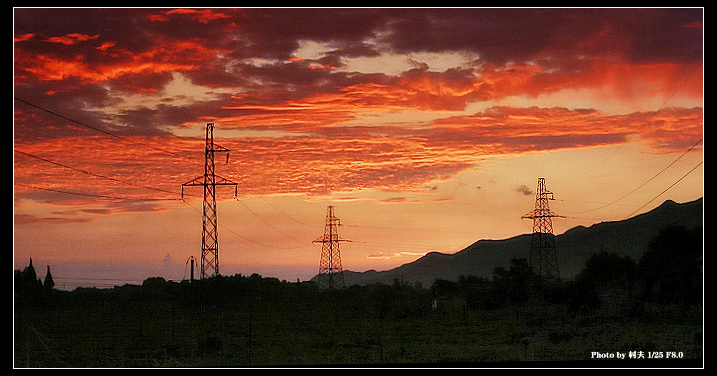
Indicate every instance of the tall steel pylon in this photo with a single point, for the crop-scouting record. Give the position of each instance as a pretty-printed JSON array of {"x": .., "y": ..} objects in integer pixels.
[
  {"x": 543, "y": 258},
  {"x": 330, "y": 270},
  {"x": 210, "y": 248}
]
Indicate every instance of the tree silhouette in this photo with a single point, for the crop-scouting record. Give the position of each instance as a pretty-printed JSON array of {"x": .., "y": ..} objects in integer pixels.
[
  {"x": 27, "y": 285},
  {"x": 49, "y": 282},
  {"x": 515, "y": 283},
  {"x": 608, "y": 269},
  {"x": 672, "y": 266}
]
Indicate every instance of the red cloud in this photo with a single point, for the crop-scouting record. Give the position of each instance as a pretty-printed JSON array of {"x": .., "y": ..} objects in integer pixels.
[
  {"x": 203, "y": 16},
  {"x": 166, "y": 56},
  {"x": 694, "y": 25},
  {"x": 157, "y": 18},
  {"x": 106, "y": 45},
  {"x": 24, "y": 37},
  {"x": 72, "y": 38}
]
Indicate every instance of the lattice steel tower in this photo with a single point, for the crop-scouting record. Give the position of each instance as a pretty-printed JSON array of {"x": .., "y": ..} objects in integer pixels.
[
  {"x": 210, "y": 249},
  {"x": 330, "y": 270},
  {"x": 543, "y": 258}
]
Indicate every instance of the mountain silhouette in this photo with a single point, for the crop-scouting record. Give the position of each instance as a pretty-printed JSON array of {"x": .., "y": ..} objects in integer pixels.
[{"x": 628, "y": 237}]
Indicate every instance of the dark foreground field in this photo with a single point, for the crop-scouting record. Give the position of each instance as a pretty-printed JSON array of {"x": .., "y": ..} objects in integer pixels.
[
  {"x": 252, "y": 321},
  {"x": 616, "y": 313}
]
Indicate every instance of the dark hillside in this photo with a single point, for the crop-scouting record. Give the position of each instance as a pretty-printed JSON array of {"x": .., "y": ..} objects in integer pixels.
[{"x": 574, "y": 247}]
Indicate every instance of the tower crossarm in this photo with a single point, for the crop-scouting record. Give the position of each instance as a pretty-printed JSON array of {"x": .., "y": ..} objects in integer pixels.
[
  {"x": 219, "y": 148},
  {"x": 325, "y": 240},
  {"x": 198, "y": 181},
  {"x": 541, "y": 214},
  {"x": 218, "y": 180}
]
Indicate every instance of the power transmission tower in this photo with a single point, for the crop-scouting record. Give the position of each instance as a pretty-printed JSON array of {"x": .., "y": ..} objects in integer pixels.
[
  {"x": 330, "y": 270},
  {"x": 210, "y": 250},
  {"x": 543, "y": 258}
]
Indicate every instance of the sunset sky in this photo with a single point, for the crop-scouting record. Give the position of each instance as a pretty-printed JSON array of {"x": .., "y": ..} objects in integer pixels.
[{"x": 426, "y": 129}]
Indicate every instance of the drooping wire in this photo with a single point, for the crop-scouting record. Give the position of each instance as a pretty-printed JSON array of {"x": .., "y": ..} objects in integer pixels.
[
  {"x": 647, "y": 181},
  {"x": 654, "y": 112},
  {"x": 243, "y": 237},
  {"x": 238, "y": 176},
  {"x": 114, "y": 198},
  {"x": 101, "y": 130},
  {"x": 92, "y": 173},
  {"x": 666, "y": 189},
  {"x": 269, "y": 224}
]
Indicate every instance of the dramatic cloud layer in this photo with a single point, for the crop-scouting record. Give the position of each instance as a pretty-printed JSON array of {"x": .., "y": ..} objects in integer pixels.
[
  {"x": 144, "y": 71},
  {"x": 111, "y": 104}
]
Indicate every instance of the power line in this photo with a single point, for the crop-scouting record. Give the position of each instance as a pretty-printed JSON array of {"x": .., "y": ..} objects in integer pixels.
[
  {"x": 357, "y": 226},
  {"x": 124, "y": 182},
  {"x": 236, "y": 175},
  {"x": 92, "y": 173},
  {"x": 267, "y": 223},
  {"x": 245, "y": 238},
  {"x": 666, "y": 189},
  {"x": 137, "y": 185},
  {"x": 116, "y": 198},
  {"x": 100, "y": 130},
  {"x": 55, "y": 47},
  {"x": 647, "y": 181},
  {"x": 654, "y": 112},
  {"x": 270, "y": 204}
]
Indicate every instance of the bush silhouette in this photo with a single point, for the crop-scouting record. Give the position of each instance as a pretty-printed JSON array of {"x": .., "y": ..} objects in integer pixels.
[{"x": 671, "y": 266}]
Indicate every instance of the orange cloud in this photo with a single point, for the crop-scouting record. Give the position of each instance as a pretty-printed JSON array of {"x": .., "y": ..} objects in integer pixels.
[
  {"x": 105, "y": 46},
  {"x": 321, "y": 109},
  {"x": 203, "y": 16},
  {"x": 345, "y": 105},
  {"x": 24, "y": 37},
  {"x": 157, "y": 18},
  {"x": 429, "y": 91},
  {"x": 166, "y": 56},
  {"x": 49, "y": 68},
  {"x": 525, "y": 127},
  {"x": 72, "y": 38}
]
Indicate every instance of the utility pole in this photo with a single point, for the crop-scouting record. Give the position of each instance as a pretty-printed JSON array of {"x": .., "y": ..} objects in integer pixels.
[
  {"x": 191, "y": 262},
  {"x": 210, "y": 249},
  {"x": 330, "y": 270},
  {"x": 543, "y": 258}
]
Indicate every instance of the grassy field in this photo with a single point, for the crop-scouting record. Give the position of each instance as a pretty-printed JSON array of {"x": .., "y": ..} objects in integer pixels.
[{"x": 256, "y": 322}]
